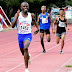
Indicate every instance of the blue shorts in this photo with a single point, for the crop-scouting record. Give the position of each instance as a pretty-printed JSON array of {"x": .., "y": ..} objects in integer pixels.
[{"x": 22, "y": 38}]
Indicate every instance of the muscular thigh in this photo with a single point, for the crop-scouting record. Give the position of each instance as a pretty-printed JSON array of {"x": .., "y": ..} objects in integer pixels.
[
  {"x": 63, "y": 36},
  {"x": 57, "y": 39},
  {"x": 26, "y": 44},
  {"x": 48, "y": 34},
  {"x": 41, "y": 33},
  {"x": 47, "y": 31},
  {"x": 48, "y": 37}
]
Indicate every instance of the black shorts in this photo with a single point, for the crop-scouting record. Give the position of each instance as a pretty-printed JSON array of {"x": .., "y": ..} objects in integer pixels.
[{"x": 46, "y": 31}]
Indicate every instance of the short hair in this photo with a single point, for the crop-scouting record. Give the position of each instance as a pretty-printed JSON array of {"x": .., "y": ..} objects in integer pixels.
[
  {"x": 25, "y": 2},
  {"x": 61, "y": 9},
  {"x": 43, "y": 5}
]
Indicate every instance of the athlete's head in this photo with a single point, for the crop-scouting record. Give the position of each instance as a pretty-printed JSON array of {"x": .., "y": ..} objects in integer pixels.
[
  {"x": 61, "y": 12},
  {"x": 24, "y": 6},
  {"x": 43, "y": 8}
]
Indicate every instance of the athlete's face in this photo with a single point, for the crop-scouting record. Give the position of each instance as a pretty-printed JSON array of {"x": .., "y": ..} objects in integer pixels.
[
  {"x": 24, "y": 7},
  {"x": 61, "y": 12},
  {"x": 43, "y": 8}
]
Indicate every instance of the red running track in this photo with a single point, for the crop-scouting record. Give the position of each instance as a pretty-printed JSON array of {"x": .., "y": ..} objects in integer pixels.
[{"x": 11, "y": 59}]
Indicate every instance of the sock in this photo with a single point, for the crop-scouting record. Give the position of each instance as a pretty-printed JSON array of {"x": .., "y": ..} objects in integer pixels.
[{"x": 42, "y": 44}]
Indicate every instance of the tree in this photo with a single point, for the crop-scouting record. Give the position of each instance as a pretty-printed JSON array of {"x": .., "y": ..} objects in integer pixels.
[
  {"x": 11, "y": 6},
  {"x": 68, "y": 2}
]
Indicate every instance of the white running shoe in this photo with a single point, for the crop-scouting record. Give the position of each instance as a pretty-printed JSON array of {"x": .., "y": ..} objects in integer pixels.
[
  {"x": 29, "y": 61},
  {"x": 26, "y": 70},
  {"x": 61, "y": 52}
]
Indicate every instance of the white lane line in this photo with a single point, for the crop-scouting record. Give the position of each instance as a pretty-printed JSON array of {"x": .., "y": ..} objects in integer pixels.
[
  {"x": 15, "y": 41},
  {"x": 63, "y": 64},
  {"x": 36, "y": 56},
  {"x": 8, "y": 43},
  {"x": 7, "y": 37},
  {"x": 71, "y": 71},
  {"x": 9, "y": 53},
  {"x": 16, "y": 50}
]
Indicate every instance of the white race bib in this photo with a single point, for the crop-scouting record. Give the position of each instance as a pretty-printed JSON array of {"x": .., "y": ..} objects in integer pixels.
[
  {"x": 44, "y": 20},
  {"x": 25, "y": 27},
  {"x": 61, "y": 24}
]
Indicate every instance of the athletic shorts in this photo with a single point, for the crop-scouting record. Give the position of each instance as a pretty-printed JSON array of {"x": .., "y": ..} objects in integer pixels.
[
  {"x": 58, "y": 34},
  {"x": 46, "y": 31},
  {"x": 22, "y": 38}
]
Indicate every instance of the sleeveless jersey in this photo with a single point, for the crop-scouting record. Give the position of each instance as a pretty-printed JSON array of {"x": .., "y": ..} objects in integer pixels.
[
  {"x": 44, "y": 21},
  {"x": 24, "y": 24},
  {"x": 61, "y": 26}
]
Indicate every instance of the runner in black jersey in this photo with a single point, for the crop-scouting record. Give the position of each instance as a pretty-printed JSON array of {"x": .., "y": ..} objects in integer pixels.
[{"x": 61, "y": 30}]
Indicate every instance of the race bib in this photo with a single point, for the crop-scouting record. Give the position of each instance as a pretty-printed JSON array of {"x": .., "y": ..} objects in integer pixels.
[
  {"x": 61, "y": 24},
  {"x": 44, "y": 20},
  {"x": 25, "y": 27}
]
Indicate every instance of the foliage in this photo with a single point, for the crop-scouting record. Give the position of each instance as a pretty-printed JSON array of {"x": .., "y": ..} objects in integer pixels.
[
  {"x": 68, "y": 2},
  {"x": 11, "y": 6}
]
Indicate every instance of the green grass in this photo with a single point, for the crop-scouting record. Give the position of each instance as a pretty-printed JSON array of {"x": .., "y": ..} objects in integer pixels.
[
  {"x": 69, "y": 66},
  {"x": 7, "y": 30}
]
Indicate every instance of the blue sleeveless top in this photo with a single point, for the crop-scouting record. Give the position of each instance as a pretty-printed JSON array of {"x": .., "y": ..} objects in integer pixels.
[{"x": 44, "y": 21}]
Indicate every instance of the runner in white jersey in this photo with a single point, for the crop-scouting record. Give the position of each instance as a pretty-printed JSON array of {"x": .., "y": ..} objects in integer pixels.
[{"x": 23, "y": 20}]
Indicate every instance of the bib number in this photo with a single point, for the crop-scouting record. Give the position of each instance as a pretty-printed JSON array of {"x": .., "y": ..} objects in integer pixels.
[
  {"x": 61, "y": 24},
  {"x": 44, "y": 20},
  {"x": 24, "y": 27}
]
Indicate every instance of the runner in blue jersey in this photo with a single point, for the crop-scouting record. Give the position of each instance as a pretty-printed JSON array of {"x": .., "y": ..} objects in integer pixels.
[
  {"x": 44, "y": 19},
  {"x": 23, "y": 20}
]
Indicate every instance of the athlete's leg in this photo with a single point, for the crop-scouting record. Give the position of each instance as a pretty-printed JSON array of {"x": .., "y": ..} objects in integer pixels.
[
  {"x": 22, "y": 51},
  {"x": 21, "y": 46},
  {"x": 41, "y": 37},
  {"x": 42, "y": 43},
  {"x": 57, "y": 38},
  {"x": 26, "y": 54},
  {"x": 48, "y": 35},
  {"x": 62, "y": 41}
]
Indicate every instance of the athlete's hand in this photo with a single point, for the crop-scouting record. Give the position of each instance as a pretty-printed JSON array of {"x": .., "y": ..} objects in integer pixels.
[
  {"x": 53, "y": 31},
  {"x": 68, "y": 28},
  {"x": 51, "y": 24},
  {"x": 18, "y": 12},
  {"x": 36, "y": 31}
]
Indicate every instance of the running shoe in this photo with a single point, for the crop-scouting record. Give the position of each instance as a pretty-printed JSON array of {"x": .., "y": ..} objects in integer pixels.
[
  {"x": 61, "y": 52},
  {"x": 44, "y": 51},
  {"x": 26, "y": 70}
]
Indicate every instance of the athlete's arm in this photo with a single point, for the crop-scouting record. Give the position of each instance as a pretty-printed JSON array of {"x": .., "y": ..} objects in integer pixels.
[
  {"x": 66, "y": 24},
  {"x": 15, "y": 19},
  {"x": 34, "y": 22},
  {"x": 50, "y": 19},
  {"x": 53, "y": 28},
  {"x": 38, "y": 21}
]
